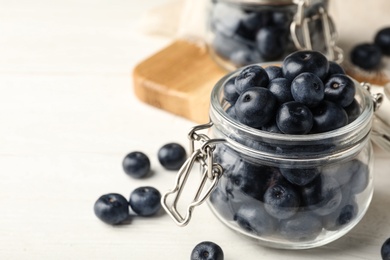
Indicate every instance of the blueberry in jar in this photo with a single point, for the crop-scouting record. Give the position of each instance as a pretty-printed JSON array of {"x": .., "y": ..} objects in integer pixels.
[
  {"x": 221, "y": 203},
  {"x": 136, "y": 164},
  {"x": 274, "y": 72},
  {"x": 305, "y": 61},
  {"x": 207, "y": 250},
  {"x": 271, "y": 42},
  {"x": 230, "y": 92},
  {"x": 294, "y": 118},
  {"x": 335, "y": 68},
  {"x": 145, "y": 201},
  {"x": 353, "y": 111},
  {"x": 307, "y": 89},
  {"x": 340, "y": 89},
  {"x": 342, "y": 216},
  {"x": 281, "y": 88},
  {"x": 382, "y": 40},
  {"x": 366, "y": 56},
  {"x": 251, "y": 76},
  {"x": 172, "y": 156},
  {"x": 299, "y": 176},
  {"x": 222, "y": 25},
  {"x": 227, "y": 46},
  {"x": 328, "y": 116},
  {"x": 255, "y": 107},
  {"x": 111, "y": 208},
  {"x": 303, "y": 226}
]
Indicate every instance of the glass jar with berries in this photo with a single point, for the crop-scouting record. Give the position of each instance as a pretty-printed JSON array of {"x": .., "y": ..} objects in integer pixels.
[
  {"x": 242, "y": 32},
  {"x": 287, "y": 156}
]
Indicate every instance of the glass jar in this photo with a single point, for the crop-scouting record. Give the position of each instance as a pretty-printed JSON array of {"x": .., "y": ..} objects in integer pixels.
[
  {"x": 287, "y": 191},
  {"x": 243, "y": 32}
]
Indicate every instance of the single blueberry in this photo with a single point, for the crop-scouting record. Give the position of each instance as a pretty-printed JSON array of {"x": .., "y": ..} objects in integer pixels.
[
  {"x": 274, "y": 72},
  {"x": 281, "y": 200},
  {"x": 225, "y": 18},
  {"x": 299, "y": 176},
  {"x": 145, "y": 201},
  {"x": 255, "y": 107},
  {"x": 294, "y": 118},
  {"x": 251, "y": 76},
  {"x": 360, "y": 178},
  {"x": 111, "y": 208},
  {"x": 346, "y": 213},
  {"x": 252, "y": 218},
  {"x": 271, "y": 42},
  {"x": 230, "y": 92},
  {"x": 353, "y": 111},
  {"x": 251, "y": 23},
  {"x": 244, "y": 56},
  {"x": 382, "y": 39},
  {"x": 307, "y": 89},
  {"x": 224, "y": 46},
  {"x": 335, "y": 68},
  {"x": 281, "y": 88},
  {"x": 271, "y": 127},
  {"x": 366, "y": 56},
  {"x": 207, "y": 250},
  {"x": 340, "y": 89},
  {"x": 343, "y": 172},
  {"x": 231, "y": 111},
  {"x": 172, "y": 156},
  {"x": 385, "y": 250},
  {"x": 305, "y": 61},
  {"x": 282, "y": 19},
  {"x": 136, "y": 164},
  {"x": 328, "y": 116},
  {"x": 301, "y": 227},
  {"x": 221, "y": 204}
]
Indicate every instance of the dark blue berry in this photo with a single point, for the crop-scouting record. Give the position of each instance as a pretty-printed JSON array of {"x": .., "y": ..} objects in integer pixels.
[
  {"x": 353, "y": 111},
  {"x": 112, "y": 208},
  {"x": 255, "y": 107},
  {"x": 302, "y": 227},
  {"x": 366, "y": 56},
  {"x": 360, "y": 178},
  {"x": 307, "y": 89},
  {"x": 281, "y": 19},
  {"x": 305, "y": 61},
  {"x": 172, "y": 156},
  {"x": 243, "y": 56},
  {"x": 382, "y": 39},
  {"x": 335, "y": 68},
  {"x": 252, "y": 218},
  {"x": 221, "y": 204},
  {"x": 274, "y": 72},
  {"x": 341, "y": 217},
  {"x": 225, "y": 18},
  {"x": 281, "y": 200},
  {"x": 343, "y": 172},
  {"x": 271, "y": 127},
  {"x": 230, "y": 92},
  {"x": 226, "y": 46},
  {"x": 328, "y": 116},
  {"x": 299, "y": 176},
  {"x": 207, "y": 250},
  {"x": 231, "y": 111},
  {"x": 385, "y": 250},
  {"x": 271, "y": 42},
  {"x": 136, "y": 164},
  {"x": 294, "y": 118},
  {"x": 251, "y": 76},
  {"x": 281, "y": 89},
  {"x": 145, "y": 201},
  {"x": 340, "y": 89}
]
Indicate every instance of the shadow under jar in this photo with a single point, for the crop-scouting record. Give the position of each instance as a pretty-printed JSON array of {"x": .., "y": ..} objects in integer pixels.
[
  {"x": 285, "y": 190},
  {"x": 242, "y": 32}
]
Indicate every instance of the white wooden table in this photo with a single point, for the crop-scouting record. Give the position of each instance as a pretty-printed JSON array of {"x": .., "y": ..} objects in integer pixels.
[{"x": 68, "y": 116}]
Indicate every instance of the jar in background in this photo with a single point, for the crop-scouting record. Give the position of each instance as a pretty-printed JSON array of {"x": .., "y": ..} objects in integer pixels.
[
  {"x": 242, "y": 32},
  {"x": 286, "y": 191}
]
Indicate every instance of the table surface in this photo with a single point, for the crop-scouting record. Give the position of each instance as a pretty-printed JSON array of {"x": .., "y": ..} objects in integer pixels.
[{"x": 69, "y": 116}]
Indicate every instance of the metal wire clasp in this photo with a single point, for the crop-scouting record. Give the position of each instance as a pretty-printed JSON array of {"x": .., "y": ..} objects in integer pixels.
[
  {"x": 301, "y": 36},
  {"x": 210, "y": 172}
]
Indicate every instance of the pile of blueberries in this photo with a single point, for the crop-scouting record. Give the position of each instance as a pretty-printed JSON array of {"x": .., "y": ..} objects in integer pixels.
[
  {"x": 306, "y": 95},
  {"x": 368, "y": 56}
]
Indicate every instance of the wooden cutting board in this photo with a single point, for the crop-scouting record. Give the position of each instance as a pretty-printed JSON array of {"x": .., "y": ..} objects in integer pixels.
[{"x": 178, "y": 79}]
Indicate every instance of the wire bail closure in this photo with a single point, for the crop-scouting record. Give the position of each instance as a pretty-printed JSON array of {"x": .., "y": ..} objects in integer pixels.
[
  {"x": 300, "y": 31},
  {"x": 210, "y": 172}
]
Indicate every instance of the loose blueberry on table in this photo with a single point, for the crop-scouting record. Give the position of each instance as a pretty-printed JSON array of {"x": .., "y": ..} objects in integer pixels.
[
  {"x": 207, "y": 250},
  {"x": 112, "y": 208},
  {"x": 172, "y": 156},
  {"x": 136, "y": 164},
  {"x": 145, "y": 201},
  {"x": 385, "y": 250}
]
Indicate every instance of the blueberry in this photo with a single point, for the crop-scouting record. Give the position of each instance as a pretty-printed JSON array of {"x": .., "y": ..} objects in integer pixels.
[
  {"x": 299, "y": 176},
  {"x": 366, "y": 55},
  {"x": 252, "y": 218},
  {"x": 343, "y": 172},
  {"x": 281, "y": 89},
  {"x": 353, "y": 111},
  {"x": 274, "y": 72},
  {"x": 207, "y": 250},
  {"x": 231, "y": 111},
  {"x": 305, "y": 61},
  {"x": 302, "y": 227},
  {"x": 225, "y": 46},
  {"x": 221, "y": 204},
  {"x": 136, "y": 164},
  {"x": 281, "y": 200},
  {"x": 251, "y": 76},
  {"x": 360, "y": 178},
  {"x": 229, "y": 91},
  {"x": 172, "y": 156},
  {"x": 294, "y": 118},
  {"x": 271, "y": 42},
  {"x": 341, "y": 217},
  {"x": 145, "y": 201},
  {"x": 308, "y": 89},
  {"x": 281, "y": 19},
  {"x": 335, "y": 68},
  {"x": 112, "y": 208},
  {"x": 243, "y": 56},
  {"x": 271, "y": 127},
  {"x": 385, "y": 250},
  {"x": 382, "y": 39},
  {"x": 340, "y": 89},
  {"x": 255, "y": 107},
  {"x": 226, "y": 18},
  {"x": 250, "y": 24},
  {"x": 328, "y": 116}
]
